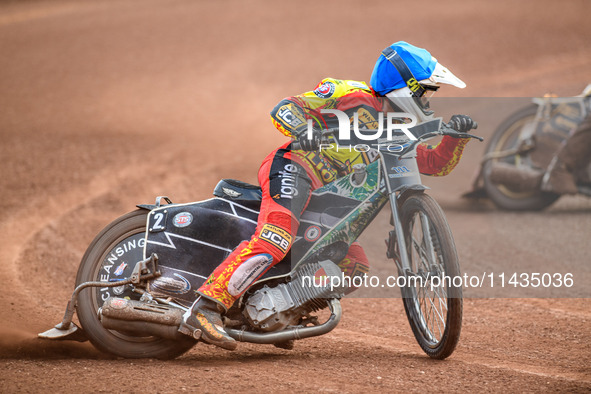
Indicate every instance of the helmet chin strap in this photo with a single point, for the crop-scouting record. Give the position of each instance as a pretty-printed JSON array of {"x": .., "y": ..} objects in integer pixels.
[{"x": 395, "y": 59}]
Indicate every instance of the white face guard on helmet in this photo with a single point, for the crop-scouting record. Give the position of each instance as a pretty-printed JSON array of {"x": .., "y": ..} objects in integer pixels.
[{"x": 402, "y": 99}]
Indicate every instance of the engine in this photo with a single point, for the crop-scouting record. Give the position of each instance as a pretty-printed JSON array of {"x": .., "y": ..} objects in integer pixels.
[{"x": 275, "y": 308}]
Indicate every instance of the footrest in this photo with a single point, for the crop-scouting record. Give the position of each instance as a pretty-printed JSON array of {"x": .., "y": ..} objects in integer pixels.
[{"x": 190, "y": 331}]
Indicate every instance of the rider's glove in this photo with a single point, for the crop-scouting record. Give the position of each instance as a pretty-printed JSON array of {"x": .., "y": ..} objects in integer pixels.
[
  {"x": 307, "y": 143},
  {"x": 462, "y": 123}
]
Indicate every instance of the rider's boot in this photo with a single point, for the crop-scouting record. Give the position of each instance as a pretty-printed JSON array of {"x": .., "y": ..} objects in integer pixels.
[{"x": 206, "y": 316}]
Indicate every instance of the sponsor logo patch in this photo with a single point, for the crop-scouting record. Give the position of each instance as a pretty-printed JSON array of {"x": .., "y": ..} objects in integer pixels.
[
  {"x": 172, "y": 286},
  {"x": 399, "y": 172},
  {"x": 118, "y": 303},
  {"x": 286, "y": 114},
  {"x": 120, "y": 269},
  {"x": 356, "y": 84},
  {"x": 248, "y": 272},
  {"x": 230, "y": 192},
  {"x": 312, "y": 233},
  {"x": 288, "y": 181},
  {"x": 325, "y": 90},
  {"x": 276, "y": 236},
  {"x": 182, "y": 219}
]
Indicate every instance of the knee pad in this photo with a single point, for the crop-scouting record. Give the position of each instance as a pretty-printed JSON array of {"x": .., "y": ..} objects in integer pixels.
[{"x": 284, "y": 220}]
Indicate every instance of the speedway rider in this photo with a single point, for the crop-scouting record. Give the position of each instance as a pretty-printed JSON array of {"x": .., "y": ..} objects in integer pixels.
[{"x": 406, "y": 76}]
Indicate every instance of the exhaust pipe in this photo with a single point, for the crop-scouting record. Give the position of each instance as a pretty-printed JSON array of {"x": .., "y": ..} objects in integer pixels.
[
  {"x": 519, "y": 179},
  {"x": 291, "y": 333},
  {"x": 141, "y": 318}
]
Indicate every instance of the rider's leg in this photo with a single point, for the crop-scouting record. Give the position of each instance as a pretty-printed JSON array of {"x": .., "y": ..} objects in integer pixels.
[
  {"x": 572, "y": 161},
  {"x": 286, "y": 191}
]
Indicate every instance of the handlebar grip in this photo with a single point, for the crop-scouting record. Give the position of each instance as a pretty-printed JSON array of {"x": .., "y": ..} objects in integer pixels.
[{"x": 447, "y": 126}]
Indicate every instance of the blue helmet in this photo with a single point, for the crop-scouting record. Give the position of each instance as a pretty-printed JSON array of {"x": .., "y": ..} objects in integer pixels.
[{"x": 424, "y": 68}]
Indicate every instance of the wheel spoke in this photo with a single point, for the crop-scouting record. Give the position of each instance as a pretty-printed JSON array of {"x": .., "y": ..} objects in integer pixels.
[
  {"x": 435, "y": 318},
  {"x": 438, "y": 314},
  {"x": 423, "y": 257}
]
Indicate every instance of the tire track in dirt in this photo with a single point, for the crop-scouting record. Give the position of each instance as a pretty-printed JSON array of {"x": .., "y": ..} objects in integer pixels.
[
  {"x": 30, "y": 286},
  {"x": 23, "y": 235}
]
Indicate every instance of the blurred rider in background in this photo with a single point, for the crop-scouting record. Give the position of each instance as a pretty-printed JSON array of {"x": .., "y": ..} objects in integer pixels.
[{"x": 569, "y": 170}]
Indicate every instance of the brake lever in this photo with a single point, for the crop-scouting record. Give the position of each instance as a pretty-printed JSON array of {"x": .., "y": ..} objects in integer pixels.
[{"x": 464, "y": 135}]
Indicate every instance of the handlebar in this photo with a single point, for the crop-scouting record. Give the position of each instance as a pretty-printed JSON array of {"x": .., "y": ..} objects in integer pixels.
[{"x": 444, "y": 130}]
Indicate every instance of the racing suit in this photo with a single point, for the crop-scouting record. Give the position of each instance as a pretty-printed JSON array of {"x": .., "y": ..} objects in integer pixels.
[{"x": 287, "y": 178}]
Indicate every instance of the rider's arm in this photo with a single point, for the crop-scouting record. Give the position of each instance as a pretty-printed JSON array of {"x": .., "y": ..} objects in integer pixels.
[
  {"x": 441, "y": 159},
  {"x": 289, "y": 117}
]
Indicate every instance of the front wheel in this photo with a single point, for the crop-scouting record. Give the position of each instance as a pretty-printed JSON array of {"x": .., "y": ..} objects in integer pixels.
[
  {"x": 432, "y": 299},
  {"x": 111, "y": 257}
]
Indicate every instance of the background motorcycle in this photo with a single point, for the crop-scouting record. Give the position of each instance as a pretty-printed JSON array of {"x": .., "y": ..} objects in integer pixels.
[
  {"x": 525, "y": 143},
  {"x": 138, "y": 276}
]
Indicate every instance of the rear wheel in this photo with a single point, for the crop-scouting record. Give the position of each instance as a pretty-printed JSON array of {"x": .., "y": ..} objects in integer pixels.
[
  {"x": 111, "y": 257},
  {"x": 433, "y": 303},
  {"x": 506, "y": 137}
]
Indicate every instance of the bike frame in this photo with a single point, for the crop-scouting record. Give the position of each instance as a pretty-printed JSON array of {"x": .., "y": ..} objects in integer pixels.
[{"x": 394, "y": 173}]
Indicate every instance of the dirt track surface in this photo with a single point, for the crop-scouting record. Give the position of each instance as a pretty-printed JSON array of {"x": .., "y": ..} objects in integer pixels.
[{"x": 104, "y": 105}]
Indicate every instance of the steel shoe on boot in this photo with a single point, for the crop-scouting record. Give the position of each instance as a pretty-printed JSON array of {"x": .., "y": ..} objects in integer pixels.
[{"x": 204, "y": 321}]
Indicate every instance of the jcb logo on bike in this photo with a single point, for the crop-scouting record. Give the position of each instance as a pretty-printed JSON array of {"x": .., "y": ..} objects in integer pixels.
[{"x": 276, "y": 236}]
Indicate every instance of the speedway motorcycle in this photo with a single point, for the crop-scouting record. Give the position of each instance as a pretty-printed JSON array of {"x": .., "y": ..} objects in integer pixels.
[
  {"x": 139, "y": 275},
  {"x": 526, "y": 145}
]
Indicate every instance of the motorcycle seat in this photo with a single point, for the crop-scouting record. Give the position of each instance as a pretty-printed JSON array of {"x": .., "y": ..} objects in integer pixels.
[{"x": 241, "y": 192}]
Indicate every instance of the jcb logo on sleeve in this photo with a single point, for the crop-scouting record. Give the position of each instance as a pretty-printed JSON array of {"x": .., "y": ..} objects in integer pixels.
[
  {"x": 286, "y": 114},
  {"x": 276, "y": 236}
]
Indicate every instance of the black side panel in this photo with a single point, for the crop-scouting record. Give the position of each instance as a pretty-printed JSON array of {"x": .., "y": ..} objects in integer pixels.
[{"x": 191, "y": 240}]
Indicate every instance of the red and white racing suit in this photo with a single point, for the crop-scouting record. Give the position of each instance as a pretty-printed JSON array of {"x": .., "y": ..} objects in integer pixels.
[{"x": 287, "y": 178}]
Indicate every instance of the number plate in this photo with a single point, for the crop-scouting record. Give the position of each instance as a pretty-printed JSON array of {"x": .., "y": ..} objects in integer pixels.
[{"x": 157, "y": 221}]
